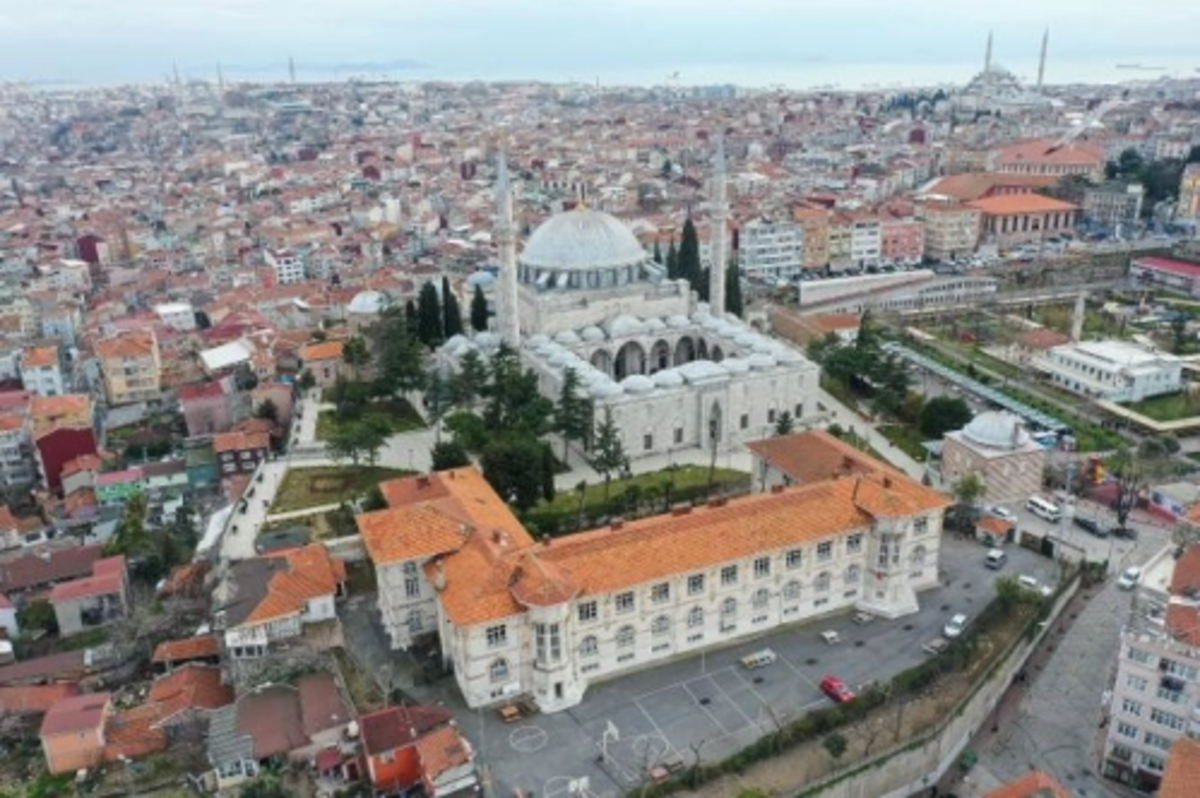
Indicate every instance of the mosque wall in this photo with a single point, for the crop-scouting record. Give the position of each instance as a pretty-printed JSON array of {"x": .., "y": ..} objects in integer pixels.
[{"x": 552, "y": 311}]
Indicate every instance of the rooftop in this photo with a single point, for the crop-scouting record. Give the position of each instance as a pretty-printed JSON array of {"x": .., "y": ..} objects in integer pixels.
[
  {"x": 76, "y": 714},
  {"x": 1182, "y": 773}
]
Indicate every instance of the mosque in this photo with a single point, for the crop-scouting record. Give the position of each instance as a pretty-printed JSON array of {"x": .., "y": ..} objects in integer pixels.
[
  {"x": 676, "y": 373},
  {"x": 995, "y": 89}
]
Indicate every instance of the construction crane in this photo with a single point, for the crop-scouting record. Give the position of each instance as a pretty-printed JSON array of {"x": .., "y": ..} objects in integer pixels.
[{"x": 1097, "y": 113}]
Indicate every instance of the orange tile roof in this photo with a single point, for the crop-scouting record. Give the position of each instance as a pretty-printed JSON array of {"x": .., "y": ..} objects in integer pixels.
[
  {"x": 55, "y": 412},
  {"x": 1182, "y": 774},
  {"x": 442, "y": 750},
  {"x": 135, "y": 732},
  {"x": 974, "y": 185},
  {"x": 311, "y": 573},
  {"x": 1007, "y": 204},
  {"x": 135, "y": 343},
  {"x": 40, "y": 356},
  {"x": 1183, "y": 623},
  {"x": 1034, "y": 784},
  {"x": 1043, "y": 151},
  {"x": 1186, "y": 575},
  {"x": 240, "y": 441},
  {"x": 193, "y": 686},
  {"x": 325, "y": 350},
  {"x": 188, "y": 648},
  {"x": 816, "y": 456},
  {"x": 406, "y": 533},
  {"x": 461, "y": 494},
  {"x": 11, "y": 421}
]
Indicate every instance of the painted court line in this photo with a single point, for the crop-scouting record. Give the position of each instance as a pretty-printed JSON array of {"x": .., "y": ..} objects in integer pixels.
[
  {"x": 733, "y": 703},
  {"x": 711, "y": 716}
]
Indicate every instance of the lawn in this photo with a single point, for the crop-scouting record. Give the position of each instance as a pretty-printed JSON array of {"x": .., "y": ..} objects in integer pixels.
[
  {"x": 397, "y": 413},
  {"x": 1168, "y": 407},
  {"x": 907, "y": 438},
  {"x": 642, "y": 494},
  {"x": 311, "y": 487}
]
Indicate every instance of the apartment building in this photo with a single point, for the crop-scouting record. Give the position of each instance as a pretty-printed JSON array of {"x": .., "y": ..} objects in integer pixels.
[
  {"x": 517, "y": 617},
  {"x": 902, "y": 240},
  {"x": 130, "y": 366},
  {"x": 1188, "y": 206},
  {"x": 288, "y": 266},
  {"x": 41, "y": 371},
  {"x": 1156, "y": 692},
  {"x": 814, "y": 225},
  {"x": 774, "y": 250},
  {"x": 866, "y": 241},
  {"x": 841, "y": 234},
  {"x": 1113, "y": 205},
  {"x": 1118, "y": 371},
  {"x": 17, "y": 467},
  {"x": 951, "y": 229}
]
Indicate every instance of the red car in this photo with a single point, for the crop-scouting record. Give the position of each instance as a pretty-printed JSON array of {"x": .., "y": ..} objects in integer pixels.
[{"x": 836, "y": 689}]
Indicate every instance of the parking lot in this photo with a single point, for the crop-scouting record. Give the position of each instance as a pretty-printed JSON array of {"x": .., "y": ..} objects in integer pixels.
[{"x": 710, "y": 703}]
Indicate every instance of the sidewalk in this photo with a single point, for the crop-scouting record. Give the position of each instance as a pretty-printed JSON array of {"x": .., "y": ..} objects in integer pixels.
[{"x": 848, "y": 419}]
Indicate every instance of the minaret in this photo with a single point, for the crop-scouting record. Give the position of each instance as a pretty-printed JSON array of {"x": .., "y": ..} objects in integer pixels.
[
  {"x": 718, "y": 216},
  {"x": 220, "y": 79},
  {"x": 291, "y": 69},
  {"x": 1042, "y": 60},
  {"x": 987, "y": 56},
  {"x": 507, "y": 305}
]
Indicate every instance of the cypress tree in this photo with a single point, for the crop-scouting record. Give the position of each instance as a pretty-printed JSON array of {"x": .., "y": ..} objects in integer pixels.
[
  {"x": 451, "y": 316},
  {"x": 410, "y": 318},
  {"x": 689, "y": 255},
  {"x": 733, "y": 290},
  {"x": 429, "y": 316},
  {"x": 479, "y": 311},
  {"x": 672, "y": 261}
]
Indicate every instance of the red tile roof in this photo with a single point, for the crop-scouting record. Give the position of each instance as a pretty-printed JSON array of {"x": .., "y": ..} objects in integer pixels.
[
  {"x": 1181, "y": 778},
  {"x": 201, "y": 647},
  {"x": 1034, "y": 784},
  {"x": 240, "y": 441},
  {"x": 397, "y": 727},
  {"x": 1008, "y": 204},
  {"x": 1170, "y": 265},
  {"x": 34, "y": 698},
  {"x": 192, "y": 686},
  {"x": 75, "y": 714},
  {"x": 35, "y": 570},
  {"x": 441, "y": 750}
]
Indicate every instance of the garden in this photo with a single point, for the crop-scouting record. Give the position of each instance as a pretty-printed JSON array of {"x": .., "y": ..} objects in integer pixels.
[
  {"x": 315, "y": 486},
  {"x": 394, "y": 414}
]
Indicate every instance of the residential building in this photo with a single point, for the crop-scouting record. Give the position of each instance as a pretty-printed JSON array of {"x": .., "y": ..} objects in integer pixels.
[
  {"x": 80, "y": 473},
  {"x": 171, "y": 654},
  {"x": 995, "y": 447},
  {"x": 402, "y": 747},
  {"x": 72, "y": 733},
  {"x": 41, "y": 372},
  {"x": 186, "y": 697},
  {"x": 240, "y": 452},
  {"x": 28, "y": 572},
  {"x": 1034, "y": 784},
  {"x": 814, "y": 227},
  {"x": 269, "y": 600},
  {"x": 1182, "y": 774},
  {"x": 287, "y": 265},
  {"x": 1117, "y": 371},
  {"x": 8, "y": 618},
  {"x": 841, "y": 234},
  {"x": 1016, "y": 219},
  {"x": 1048, "y": 157},
  {"x": 902, "y": 240},
  {"x": 518, "y": 617},
  {"x": 951, "y": 229},
  {"x": 18, "y": 469},
  {"x": 1156, "y": 691},
  {"x": 62, "y": 428},
  {"x": 129, "y": 363},
  {"x": 92, "y": 601},
  {"x": 117, "y": 487},
  {"x": 774, "y": 250},
  {"x": 177, "y": 315},
  {"x": 1188, "y": 206},
  {"x": 1113, "y": 206},
  {"x": 210, "y": 407},
  {"x": 1174, "y": 275},
  {"x": 866, "y": 241},
  {"x": 323, "y": 360}
]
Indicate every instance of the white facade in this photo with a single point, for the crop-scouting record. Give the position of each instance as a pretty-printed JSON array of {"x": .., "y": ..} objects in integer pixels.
[
  {"x": 177, "y": 315},
  {"x": 288, "y": 267},
  {"x": 866, "y": 242},
  {"x": 17, "y": 464},
  {"x": 772, "y": 249},
  {"x": 252, "y": 639},
  {"x": 1116, "y": 371},
  {"x": 44, "y": 380}
]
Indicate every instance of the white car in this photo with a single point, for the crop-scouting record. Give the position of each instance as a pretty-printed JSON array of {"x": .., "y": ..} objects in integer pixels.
[
  {"x": 1002, "y": 514},
  {"x": 1029, "y": 583},
  {"x": 1129, "y": 578},
  {"x": 955, "y": 626}
]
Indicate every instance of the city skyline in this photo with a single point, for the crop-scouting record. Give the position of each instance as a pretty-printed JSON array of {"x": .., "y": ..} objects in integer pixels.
[{"x": 135, "y": 40}]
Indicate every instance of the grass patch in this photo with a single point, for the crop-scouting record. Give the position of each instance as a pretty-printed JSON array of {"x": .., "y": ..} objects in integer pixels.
[
  {"x": 908, "y": 439},
  {"x": 1168, "y": 407},
  {"x": 839, "y": 391},
  {"x": 397, "y": 413},
  {"x": 311, "y": 487},
  {"x": 639, "y": 495}
]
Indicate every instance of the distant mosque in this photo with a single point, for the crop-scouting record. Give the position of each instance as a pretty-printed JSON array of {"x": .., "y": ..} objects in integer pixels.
[
  {"x": 995, "y": 89},
  {"x": 675, "y": 373}
]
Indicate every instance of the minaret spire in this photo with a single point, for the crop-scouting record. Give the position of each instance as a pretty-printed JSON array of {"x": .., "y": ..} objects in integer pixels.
[
  {"x": 987, "y": 55},
  {"x": 507, "y": 304},
  {"x": 1042, "y": 60},
  {"x": 719, "y": 215}
]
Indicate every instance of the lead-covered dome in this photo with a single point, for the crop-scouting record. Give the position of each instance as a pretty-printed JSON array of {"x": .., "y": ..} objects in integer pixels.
[
  {"x": 996, "y": 430},
  {"x": 582, "y": 239}
]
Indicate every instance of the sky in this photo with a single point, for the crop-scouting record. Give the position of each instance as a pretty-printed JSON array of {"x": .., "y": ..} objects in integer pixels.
[{"x": 101, "y": 41}]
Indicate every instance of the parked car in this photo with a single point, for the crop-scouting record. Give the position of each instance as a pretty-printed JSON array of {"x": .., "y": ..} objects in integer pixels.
[
  {"x": 1129, "y": 577},
  {"x": 1001, "y": 513},
  {"x": 1091, "y": 526},
  {"x": 955, "y": 626},
  {"x": 1029, "y": 583},
  {"x": 836, "y": 689},
  {"x": 1129, "y": 533}
]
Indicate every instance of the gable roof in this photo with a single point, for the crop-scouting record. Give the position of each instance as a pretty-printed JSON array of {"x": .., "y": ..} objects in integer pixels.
[
  {"x": 396, "y": 727},
  {"x": 200, "y": 647},
  {"x": 35, "y": 570},
  {"x": 277, "y": 586},
  {"x": 76, "y": 714},
  {"x": 442, "y": 750},
  {"x": 1034, "y": 784},
  {"x": 34, "y": 698},
  {"x": 192, "y": 686},
  {"x": 323, "y": 350},
  {"x": 1020, "y": 203},
  {"x": 816, "y": 456}
]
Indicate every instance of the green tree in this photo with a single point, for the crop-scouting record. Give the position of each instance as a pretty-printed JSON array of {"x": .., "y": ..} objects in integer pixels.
[
  {"x": 967, "y": 491},
  {"x": 943, "y": 414},
  {"x": 449, "y": 454},
  {"x": 401, "y": 359},
  {"x": 688, "y": 266},
  {"x": 548, "y": 469},
  {"x": 733, "y": 290},
  {"x": 267, "y": 785},
  {"x": 667, "y": 169},
  {"x": 608, "y": 452},
  {"x": 429, "y": 316},
  {"x": 479, "y": 311},
  {"x": 835, "y": 744},
  {"x": 452, "y": 324},
  {"x": 785, "y": 424},
  {"x": 130, "y": 536},
  {"x": 514, "y": 402},
  {"x": 268, "y": 411},
  {"x": 672, "y": 261},
  {"x": 307, "y": 380},
  {"x": 38, "y": 615},
  {"x": 573, "y": 413},
  {"x": 439, "y": 397},
  {"x": 1179, "y": 333},
  {"x": 512, "y": 465},
  {"x": 358, "y": 440},
  {"x": 355, "y": 354},
  {"x": 411, "y": 319},
  {"x": 471, "y": 380}
]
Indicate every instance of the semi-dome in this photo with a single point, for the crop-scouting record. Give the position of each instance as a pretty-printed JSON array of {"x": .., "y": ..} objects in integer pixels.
[
  {"x": 679, "y": 322},
  {"x": 996, "y": 430},
  {"x": 568, "y": 337},
  {"x": 582, "y": 239},
  {"x": 481, "y": 278}
]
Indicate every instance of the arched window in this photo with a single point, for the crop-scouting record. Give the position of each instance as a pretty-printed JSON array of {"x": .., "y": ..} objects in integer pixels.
[
  {"x": 499, "y": 670},
  {"x": 695, "y": 617},
  {"x": 853, "y": 574},
  {"x": 729, "y": 607},
  {"x": 661, "y": 626},
  {"x": 589, "y": 646},
  {"x": 761, "y": 598},
  {"x": 823, "y": 582},
  {"x": 625, "y": 637},
  {"x": 791, "y": 591}
]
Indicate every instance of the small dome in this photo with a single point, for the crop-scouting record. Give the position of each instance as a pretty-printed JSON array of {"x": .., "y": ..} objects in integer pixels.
[
  {"x": 735, "y": 365},
  {"x": 761, "y": 362},
  {"x": 560, "y": 359},
  {"x": 765, "y": 347},
  {"x": 746, "y": 339},
  {"x": 604, "y": 388},
  {"x": 787, "y": 355},
  {"x": 483, "y": 279},
  {"x": 568, "y": 337},
  {"x": 701, "y": 370},
  {"x": 712, "y": 323},
  {"x": 996, "y": 430},
  {"x": 592, "y": 334},
  {"x": 582, "y": 239},
  {"x": 367, "y": 302},
  {"x": 537, "y": 340},
  {"x": 487, "y": 340},
  {"x": 679, "y": 322},
  {"x": 727, "y": 330},
  {"x": 637, "y": 384},
  {"x": 668, "y": 378},
  {"x": 655, "y": 325},
  {"x": 624, "y": 325}
]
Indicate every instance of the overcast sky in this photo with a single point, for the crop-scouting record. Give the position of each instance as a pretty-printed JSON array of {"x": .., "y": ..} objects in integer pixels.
[{"x": 107, "y": 40}]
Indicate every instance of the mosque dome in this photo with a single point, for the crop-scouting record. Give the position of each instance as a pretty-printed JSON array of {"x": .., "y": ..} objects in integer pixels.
[
  {"x": 481, "y": 278},
  {"x": 592, "y": 334},
  {"x": 637, "y": 384},
  {"x": 679, "y": 322},
  {"x": 668, "y": 378},
  {"x": 996, "y": 430},
  {"x": 367, "y": 302},
  {"x": 582, "y": 239}
]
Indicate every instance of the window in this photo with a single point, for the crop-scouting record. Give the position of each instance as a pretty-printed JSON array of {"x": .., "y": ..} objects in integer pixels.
[
  {"x": 1149, "y": 761},
  {"x": 548, "y": 642},
  {"x": 499, "y": 670},
  {"x": 589, "y": 647},
  {"x": 1138, "y": 655},
  {"x": 497, "y": 636},
  {"x": 587, "y": 611},
  {"x": 791, "y": 591},
  {"x": 412, "y": 583},
  {"x": 695, "y": 617},
  {"x": 625, "y": 637},
  {"x": 918, "y": 556},
  {"x": 661, "y": 592},
  {"x": 762, "y": 567},
  {"x": 415, "y": 621},
  {"x": 824, "y": 551},
  {"x": 678, "y": 435},
  {"x": 647, "y": 441},
  {"x": 1178, "y": 669},
  {"x": 771, "y": 416},
  {"x": 1121, "y": 752},
  {"x": 1127, "y": 730},
  {"x": 853, "y": 575},
  {"x": 745, "y": 421},
  {"x": 823, "y": 581},
  {"x": 761, "y": 599},
  {"x": 695, "y": 584},
  {"x": 1164, "y": 718},
  {"x": 1131, "y": 707},
  {"x": 729, "y": 607},
  {"x": 625, "y": 601},
  {"x": 729, "y": 575},
  {"x": 920, "y": 526},
  {"x": 1135, "y": 682},
  {"x": 1157, "y": 741},
  {"x": 1164, "y": 694},
  {"x": 661, "y": 626},
  {"x": 854, "y": 544},
  {"x": 794, "y": 559}
]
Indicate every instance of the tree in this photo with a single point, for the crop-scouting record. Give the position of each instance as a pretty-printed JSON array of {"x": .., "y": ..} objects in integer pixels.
[
  {"x": 943, "y": 414},
  {"x": 733, "y": 290},
  {"x": 479, "y": 311},
  {"x": 468, "y": 429},
  {"x": 449, "y": 454},
  {"x": 688, "y": 264},
  {"x": 267, "y": 785},
  {"x": 967, "y": 490},
  {"x": 1179, "y": 333},
  {"x": 267, "y": 410},
  {"x": 514, "y": 402},
  {"x": 400, "y": 358},
  {"x": 608, "y": 453},
  {"x": 471, "y": 380},
  {"x": 356, "y": 355},
  {"x": 358, "y": 440},
  {"x": 785, "y": 424},
  {"x": 38, "y": 615},
  {"x": 513, "y": 465},
  {"x": 835, "y": 744},
  {"x": 672, "y": 261},
  {"x": 308, "y": 381},
  {"x": 451, "y": 316},
  {"x": 548, "y": 471},
  {"x": 667, "y": 169},
  {"x": 429, "y": 316},
  {"x": 411, "y": 319},
  {"x": 573, "y": 413}
]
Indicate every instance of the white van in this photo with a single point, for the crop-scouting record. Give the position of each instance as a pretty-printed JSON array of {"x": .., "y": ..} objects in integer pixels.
[
  {"x": 1046, "y": 510},
  {"x": 995, "y": 559},
  {"x": 759, "y": 659}
]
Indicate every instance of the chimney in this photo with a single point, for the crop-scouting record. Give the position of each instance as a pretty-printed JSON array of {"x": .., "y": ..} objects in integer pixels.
[
  {"x": 887, "y": 481},
  {"x": 778, "y": 488},
  {"x": 718, "y": 502},
  {"x": 617, "y": 524},
  {"x": 439, "y": 578},
  {"x": 423, "y": 481},
  {"x": 546, "y": 540}
]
